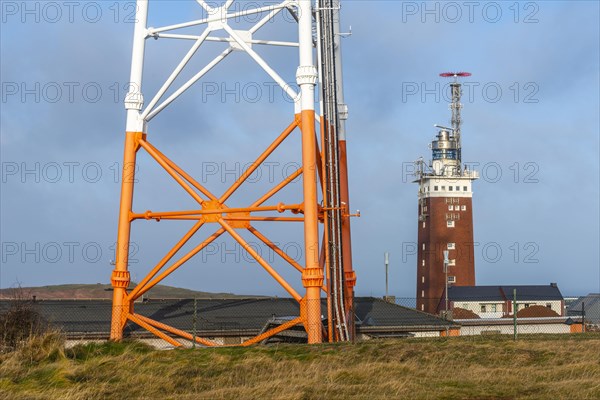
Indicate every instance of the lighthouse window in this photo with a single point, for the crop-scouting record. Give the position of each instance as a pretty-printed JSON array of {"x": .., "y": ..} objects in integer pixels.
[
  {"x": 450, "y": 224},
  {"x": 439, "y": 154},
  {"x": 435, "y": 188}
]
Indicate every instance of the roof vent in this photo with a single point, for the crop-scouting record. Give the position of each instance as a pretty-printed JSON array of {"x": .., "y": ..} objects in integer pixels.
[{"x": 553, "y": 284}]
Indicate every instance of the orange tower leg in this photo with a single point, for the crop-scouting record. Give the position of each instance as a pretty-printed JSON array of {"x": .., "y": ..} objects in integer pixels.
[
  {"x": 349, "y": 274},
  {"x": 312, "y": 276},
  {"x": 120, "y": 275}
]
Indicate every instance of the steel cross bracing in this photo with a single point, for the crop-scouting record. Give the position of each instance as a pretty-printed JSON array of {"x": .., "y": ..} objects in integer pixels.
[{"x": 328, "y": 268}]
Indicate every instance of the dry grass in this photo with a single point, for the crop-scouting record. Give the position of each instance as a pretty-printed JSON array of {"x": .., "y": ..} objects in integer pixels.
[{"x": 535, "y": 367}]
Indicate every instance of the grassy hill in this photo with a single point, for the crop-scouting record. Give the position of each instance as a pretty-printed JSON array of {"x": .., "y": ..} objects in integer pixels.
[
  {"x": 101, "y": 291},
  {"x": 470, "y": 368}
]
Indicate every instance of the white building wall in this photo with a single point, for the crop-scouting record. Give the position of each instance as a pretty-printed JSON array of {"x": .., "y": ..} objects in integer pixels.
[
  {"x": 475, "y": 306},
  {"x": 509, "y": 329}
]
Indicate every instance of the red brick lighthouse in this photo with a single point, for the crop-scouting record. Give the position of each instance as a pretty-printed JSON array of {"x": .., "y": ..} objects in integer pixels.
[{"x": 445, "y": 233}]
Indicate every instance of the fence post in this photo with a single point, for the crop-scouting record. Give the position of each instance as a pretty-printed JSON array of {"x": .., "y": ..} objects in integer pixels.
[
  {"x": 514, "y": 314},
  {"x": 194, "y": 319},
  {"x": 582, "y": 317}
]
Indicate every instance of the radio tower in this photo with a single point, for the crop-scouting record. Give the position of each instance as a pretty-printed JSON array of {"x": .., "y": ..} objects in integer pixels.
[
  {"x": 327, "y": 275},
  {"x": 445, "y": 213}
]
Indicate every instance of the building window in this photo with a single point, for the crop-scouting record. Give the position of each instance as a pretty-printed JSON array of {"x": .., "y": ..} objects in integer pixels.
[
  {"x": 422, "y": 293},
  {"x": 423, "y": 246},
  {"x": 422, "y": 279},
  {"x": 452, "y": 262},
  {"x": 450, "y": 224},
  {"x": 493, "y": 308},
  {"x": 457, "y": 188},
  {"x": 423, "y": 224},
  {"x": 451, "y": 279},
  {"x": 464, "y": 188},
  {"x": 483, "y": 308},
  {"x": 423, "y": 262},
  {"x": 425, "y": 208},
  {"x": 450, "y": 188},
  {"x": 451, "y": 246},
  {"x": 422, "y": 307},
  {"x": 450, "y": 208},
  {"x": 463, "y": 207},
  {"x": 435, "y": 188}
]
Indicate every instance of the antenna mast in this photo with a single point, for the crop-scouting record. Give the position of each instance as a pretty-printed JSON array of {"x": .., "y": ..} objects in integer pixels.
[{"x": 455, "y": 106}]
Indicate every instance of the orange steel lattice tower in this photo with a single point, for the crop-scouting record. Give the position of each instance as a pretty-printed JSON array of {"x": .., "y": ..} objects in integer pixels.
[{"x": 327, "y": 272}]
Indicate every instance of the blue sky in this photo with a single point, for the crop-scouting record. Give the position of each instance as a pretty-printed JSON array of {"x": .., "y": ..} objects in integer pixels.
[{"x": 531, "y": 126}]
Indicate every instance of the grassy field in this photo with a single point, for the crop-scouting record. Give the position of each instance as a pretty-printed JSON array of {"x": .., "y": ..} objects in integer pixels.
[{"x": 534, "y": 367}]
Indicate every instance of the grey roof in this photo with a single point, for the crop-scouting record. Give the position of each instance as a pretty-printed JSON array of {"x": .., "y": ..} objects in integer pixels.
[
  {"x": 505, "y": 292},
  {"x": 226, "y": 316},
  {"x": 591, "y": 305},
  {"x": 374, "y": 313}
]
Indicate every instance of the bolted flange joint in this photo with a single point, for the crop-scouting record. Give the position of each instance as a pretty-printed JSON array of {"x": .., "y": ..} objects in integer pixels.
[
  {"x": 343, "y": 111},
  {"x": 350, "y": 277},
  {"x": 120, "y": 279},
  {"x": 312, "y": 277},
  {"x": 134, "y": 101},
  {"x": 306, "y": 74}
]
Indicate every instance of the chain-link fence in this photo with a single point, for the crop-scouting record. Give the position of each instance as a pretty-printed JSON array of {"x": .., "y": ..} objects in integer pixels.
[{"x": 245, "y": 321}]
